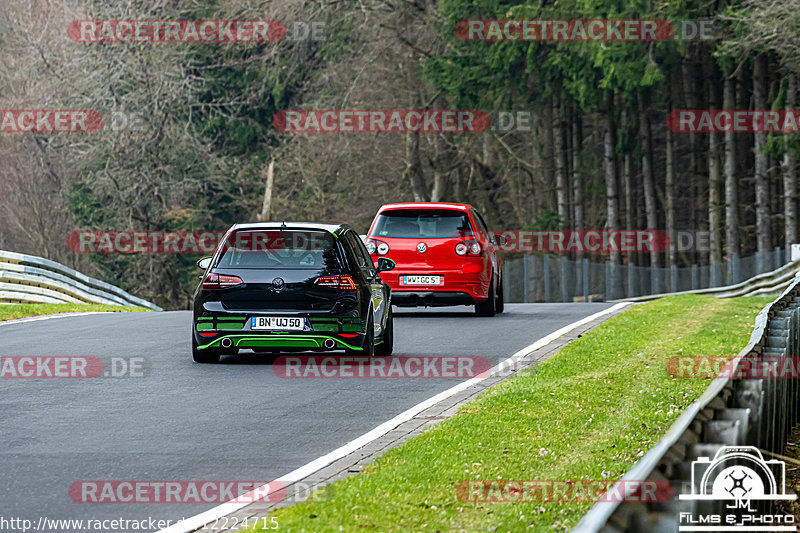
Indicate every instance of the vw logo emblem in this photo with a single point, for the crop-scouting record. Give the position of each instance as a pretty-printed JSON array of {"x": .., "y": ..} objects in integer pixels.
[
  {"x": 421, "y": 247},
  {"x": 278, "y": 283}
]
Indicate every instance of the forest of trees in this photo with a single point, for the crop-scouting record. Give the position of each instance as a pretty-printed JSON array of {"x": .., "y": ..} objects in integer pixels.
[{"x": 599, "y": 154}]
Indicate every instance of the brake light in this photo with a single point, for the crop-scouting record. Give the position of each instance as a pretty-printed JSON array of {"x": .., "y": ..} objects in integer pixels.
[
  {"x": 470, "y": 247},
  {"x": 217, "y": 281},
  {"x": 374, "y": 245},
  {"x": 339, "y": 282}
]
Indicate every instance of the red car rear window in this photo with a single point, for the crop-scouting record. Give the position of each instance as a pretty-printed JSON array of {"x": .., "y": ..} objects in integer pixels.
[{"x": 422, "y": 223}]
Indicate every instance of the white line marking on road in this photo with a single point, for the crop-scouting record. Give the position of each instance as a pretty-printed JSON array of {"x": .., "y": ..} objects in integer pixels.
[
  {"x": 48, "y": 317},
  {"x": 196, "y": 522}
]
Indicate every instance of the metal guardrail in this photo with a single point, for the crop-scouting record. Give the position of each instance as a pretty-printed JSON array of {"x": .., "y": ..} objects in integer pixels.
[
  {"x": 764, "y": 284},
  {"x": 32, "y": 279},
  {"x": 747, "y": 411}
]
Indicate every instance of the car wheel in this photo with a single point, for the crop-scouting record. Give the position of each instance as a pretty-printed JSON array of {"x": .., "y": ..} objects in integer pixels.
[
  {"x": 499, "y": 303},
  {"x": 487, "y": 308},
  {"x": 369, "y": 339},
  {"x": 387, "y": 346},
  {"x": 209, "y": 355}
]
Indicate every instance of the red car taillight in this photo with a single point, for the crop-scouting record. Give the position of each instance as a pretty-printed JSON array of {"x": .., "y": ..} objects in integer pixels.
[
  {"x": 470, "y": 247},
  {"x": 374, "y": 245},
  {"x": 339, "y": 282},
  {"x": 217, "y": 281}
]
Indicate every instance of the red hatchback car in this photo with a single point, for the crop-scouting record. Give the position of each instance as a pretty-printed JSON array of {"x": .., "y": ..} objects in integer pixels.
[{"x": 444, "y": 254}]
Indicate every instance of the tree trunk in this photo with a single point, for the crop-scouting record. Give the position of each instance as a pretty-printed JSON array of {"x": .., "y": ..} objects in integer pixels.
[
  {"x": 440, "y": 169},
  {"x": 691, "y": 82},
  {"x": 789, "y": 169},
  {"x": 645, "y": 138},
  {"x": 714, "y": 180},
  {"x": 731, "y": 187},
  {"x": 413, "y": 172},
  {"x": 263, "y": 216},
  {"x": 612, "y": 189},
  {"x": 763, "y": 233},
  {"x": 577, "y": 181},
  {"x": 560, "y": 153},
  {"x": 669, "y": 184},
  {"x": 548, "y": 166}
]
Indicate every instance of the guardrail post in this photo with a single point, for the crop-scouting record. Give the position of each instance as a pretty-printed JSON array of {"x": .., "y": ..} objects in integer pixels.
[
  {"x": 673, "y": 278},
  {"x": 525, "y": 278},
  {"x": 546, "y": 277},
  {"x": 608, "y": 280},
  {"x": 564, "y": 279},
  {"x": 586, "y": 280},
  {"x": 631, "y": 279},
  {"x": 695, "y": 277},
  {"x": 779, "y": 260},
  {"x": 734, "y": 265}
]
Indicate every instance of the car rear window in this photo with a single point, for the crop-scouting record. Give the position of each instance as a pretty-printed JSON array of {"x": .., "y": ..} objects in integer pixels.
[
  {"x": 279, "y": 249},
  {"x": 427, "y": 223}
]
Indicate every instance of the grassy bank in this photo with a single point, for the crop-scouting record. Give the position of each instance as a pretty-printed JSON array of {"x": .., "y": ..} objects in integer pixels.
[
  {"x": 12, "y": 311},
  {"x": 589, "y": 412}
]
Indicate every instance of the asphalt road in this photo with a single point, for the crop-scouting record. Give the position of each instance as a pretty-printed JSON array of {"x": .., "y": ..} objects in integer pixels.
[{"x": 183, "y": 421}]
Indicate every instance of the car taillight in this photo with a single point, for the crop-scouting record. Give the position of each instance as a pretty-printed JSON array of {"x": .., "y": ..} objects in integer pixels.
[
  {"x": 339, "y": 282},
  {"x": 217, "y": 281},
  {"x": 468, "y": 247},
  {"x": 374, "y": 245}
]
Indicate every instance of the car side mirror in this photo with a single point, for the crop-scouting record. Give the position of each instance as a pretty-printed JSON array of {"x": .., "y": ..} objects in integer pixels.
[
  {"x": 203, "y": 263},
  {"x": 385, "y": 264}
]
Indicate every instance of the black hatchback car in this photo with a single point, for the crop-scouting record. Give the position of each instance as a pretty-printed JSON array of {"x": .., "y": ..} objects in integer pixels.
[{"x": 274, "y": 287}]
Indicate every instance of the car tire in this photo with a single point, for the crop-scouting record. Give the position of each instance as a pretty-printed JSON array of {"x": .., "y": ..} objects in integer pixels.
[
  {"x": 487, "y": 308},
  {"x": 369, "y": 339},
  {"x": 499, "y": 302},
  {"x": 209, "y": 355},
  {"x": 387, "y": 346}
]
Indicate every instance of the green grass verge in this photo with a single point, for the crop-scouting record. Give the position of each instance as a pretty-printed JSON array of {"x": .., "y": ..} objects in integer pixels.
[
  {"x": 588, "y": 412},
  {"x": 12, "y": 311}
]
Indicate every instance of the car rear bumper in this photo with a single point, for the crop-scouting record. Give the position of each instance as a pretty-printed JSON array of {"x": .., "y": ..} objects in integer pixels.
[
  {"x": 282, "y": 341},
  {"x": 458, "y": 288},
  {"x": 321, "y": 333},
  {"x": 431, "y": 298}
]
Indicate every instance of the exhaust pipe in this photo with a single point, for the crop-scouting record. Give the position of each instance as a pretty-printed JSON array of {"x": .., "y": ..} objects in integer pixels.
[
  {"x": 329, "y": 343},
  {"x": 226, "y": 342}
]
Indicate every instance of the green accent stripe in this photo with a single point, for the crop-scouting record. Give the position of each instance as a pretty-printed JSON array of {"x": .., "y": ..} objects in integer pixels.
[{"x": 279, "y": 341}]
